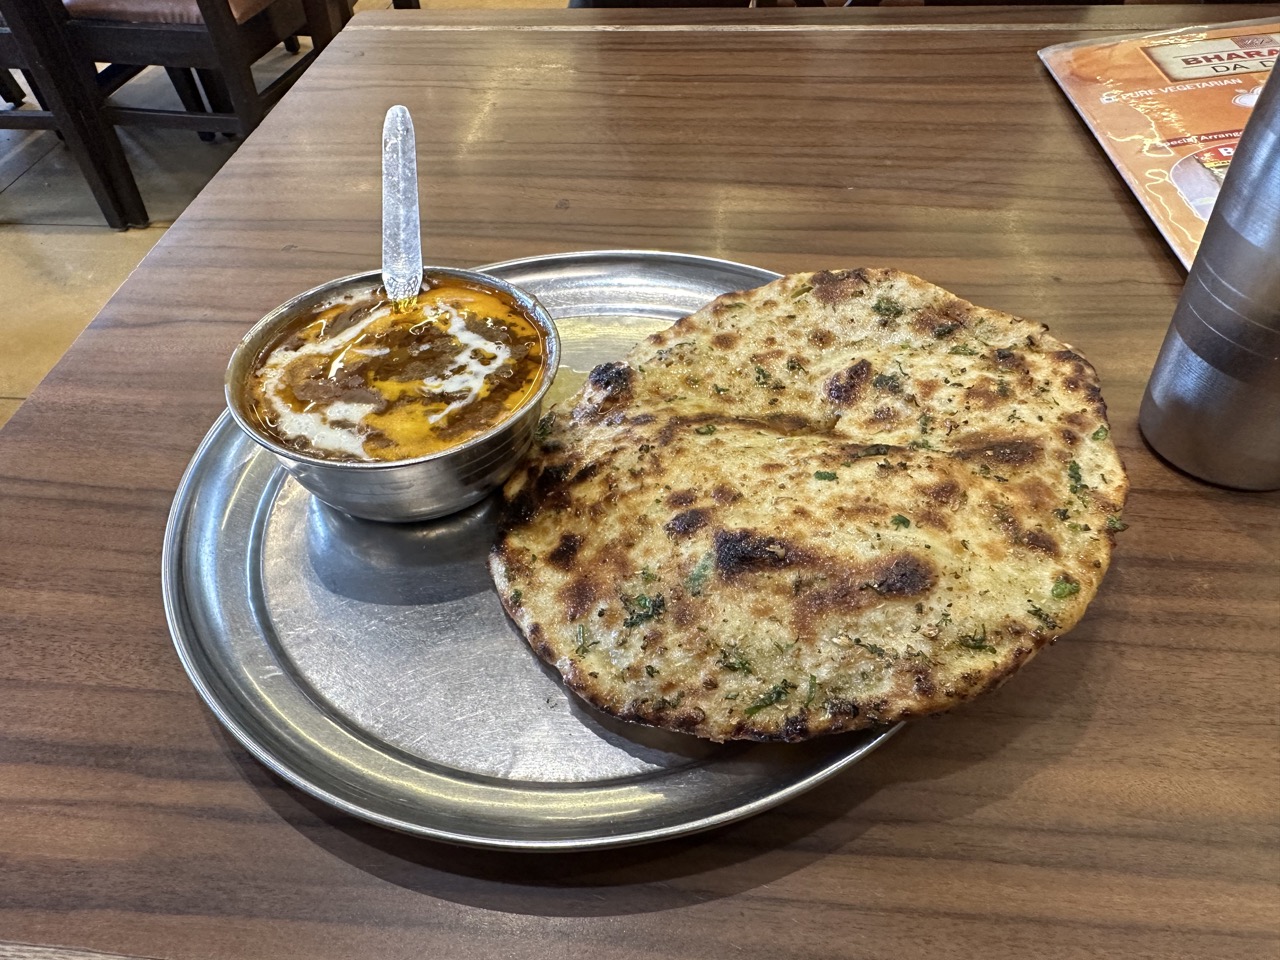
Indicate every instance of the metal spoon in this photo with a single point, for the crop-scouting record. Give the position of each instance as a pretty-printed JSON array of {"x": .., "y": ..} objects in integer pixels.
[{"x": 401, "y": 230}]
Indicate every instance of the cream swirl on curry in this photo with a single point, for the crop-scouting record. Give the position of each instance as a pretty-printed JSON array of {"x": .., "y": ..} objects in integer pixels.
[{"x": 369, "y": 380}]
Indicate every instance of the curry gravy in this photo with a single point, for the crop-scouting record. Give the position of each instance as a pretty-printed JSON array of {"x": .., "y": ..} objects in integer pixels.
[{"x": 367, "y": 380}]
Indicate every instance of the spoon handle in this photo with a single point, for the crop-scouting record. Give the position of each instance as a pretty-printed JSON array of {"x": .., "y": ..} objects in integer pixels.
[{"x": 401, "y": 230}]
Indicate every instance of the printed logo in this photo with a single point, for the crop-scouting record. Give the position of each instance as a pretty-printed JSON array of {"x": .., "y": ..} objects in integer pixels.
[{"x": 1223, "y": 56}]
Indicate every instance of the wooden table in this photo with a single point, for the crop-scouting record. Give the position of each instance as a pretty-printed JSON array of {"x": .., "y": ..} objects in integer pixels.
[{"x": 1120, "y": 798}]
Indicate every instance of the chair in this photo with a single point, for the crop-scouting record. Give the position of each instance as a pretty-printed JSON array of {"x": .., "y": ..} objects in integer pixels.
[
  {"x": 219, "y": 40},
  {"x": 33, "y": 39}
]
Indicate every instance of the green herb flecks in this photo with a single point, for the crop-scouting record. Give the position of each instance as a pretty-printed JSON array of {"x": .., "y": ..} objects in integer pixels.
[
  {"x": 1062, "y": 513},
  {"x": 1065, "y": 587},
  {"x": 543, "y": 429},
  {"x": 762, "y": 376},
  {"x": 976, "y": 640},
  {"x": 801, "y": 290},
  {"x": 899, "y": 521},
  {"x": 926, "y": 422},
  {"x": 706, "y": 429},
  {"x": 585, "y": 643},
  {"x": 650, "y": 670},
  {"x": 872, "y": 648},
  {"x": 719, "y": 389},
  {"x": 516, "y": 597},
  {"x": 887, "y": 383},
  {"x": 774, "y": 695},
  {"x": 1115, "y": 523},
  {"x": 813, "y": 690},
  {"x": 824, "y": 475},
  {"x": 733, "y": 660},
  {"x": 642, "y": 609},
  {"x": 696, "y": 582},
  {"x": 795, "y": 366},
  {"x": 1074, "y": 475},
  {"x": 887, "y": 308},
  {"x": 962, "y": 350},
  {"x": 647, "y": 575},
  {"x": 1043, "y": 617},
  {"x": 1100, "y": 434}
]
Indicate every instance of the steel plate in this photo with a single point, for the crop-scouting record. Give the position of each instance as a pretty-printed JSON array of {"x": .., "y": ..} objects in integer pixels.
[{"x": 372, "y": 665}]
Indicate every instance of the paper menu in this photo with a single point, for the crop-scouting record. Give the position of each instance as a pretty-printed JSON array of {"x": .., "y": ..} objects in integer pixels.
[{"x": 1169, "y": 108}]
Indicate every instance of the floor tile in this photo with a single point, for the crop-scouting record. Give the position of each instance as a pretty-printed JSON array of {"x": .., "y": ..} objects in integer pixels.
[
  {"x": 56, "y": 280},
  {"x": 7, "y": 409},
  {"x": 19, "y": 151}
]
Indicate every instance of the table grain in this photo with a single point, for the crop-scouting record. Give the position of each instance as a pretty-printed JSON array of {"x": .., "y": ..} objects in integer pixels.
[{"x": 1119, "y": 798}]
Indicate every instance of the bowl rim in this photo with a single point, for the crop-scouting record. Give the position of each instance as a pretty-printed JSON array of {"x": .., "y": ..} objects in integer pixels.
[{"x": 277, "y": 316}]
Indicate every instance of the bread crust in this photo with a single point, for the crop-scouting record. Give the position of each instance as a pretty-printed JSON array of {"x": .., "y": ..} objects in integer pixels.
[{"x": 842, "y": 499}]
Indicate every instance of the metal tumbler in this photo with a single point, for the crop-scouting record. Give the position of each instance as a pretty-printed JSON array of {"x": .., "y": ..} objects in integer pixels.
[{"x": 1212, "y": 406}]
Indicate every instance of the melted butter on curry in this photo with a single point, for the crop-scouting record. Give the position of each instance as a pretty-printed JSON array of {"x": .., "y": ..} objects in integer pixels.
[{"x": 369, "y": 380}]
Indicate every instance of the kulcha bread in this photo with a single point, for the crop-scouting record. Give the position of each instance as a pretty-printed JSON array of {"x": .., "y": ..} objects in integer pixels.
[{"x": 838, "y": 500}]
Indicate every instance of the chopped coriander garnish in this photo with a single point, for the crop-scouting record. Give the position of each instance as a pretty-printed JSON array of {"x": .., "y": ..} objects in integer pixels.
[
  {"x": 795, "y": 366},
  {"x": 762, "y": 376},
  {"x": 963, "y": 350},
  {"x": 899, "y": 521},
  {"x": 813, "y": 690},
  {"x": 1043, "y": 617},
  {"x": 874, "y": 648},
  {"x": 1100, "y": 434},
  {"x": 699, "y": 575},
  {"x": 1064, "y": 587},
  {"x": 1115, "y": 523},
  {"x": 706, "y": 429},
  {"x": 650, "y": 669},
  {"x": 1062, "y": 513},
  {"x": 887, "y": 382},
  {"x": 584, "y": 644},
  {"x": 731, "y": 659},
  {"x": 669, "y": 703},
  {"x": 719, "y": 389},
  {"x": 516, "y": 597},
  {"x": 1073, "y": 474},
  {"x": 888, "y": 308},
  {"x": 642, "y": 608},
  {"x": 775, "y": 694},
  {"x": 976, "y": 640},
  {"x": 824, "y": 475},
  {"x": 647, "y": 575}
]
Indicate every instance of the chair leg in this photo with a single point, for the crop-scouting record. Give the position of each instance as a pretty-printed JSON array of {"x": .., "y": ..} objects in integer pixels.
[
  {"x": 215, "y": 91},
  {"x": 10, "y": 90},
  {"x": 293, "y": 44},
  {"x": 232, "y": 90},
  {"x": 184, "y": 82}
]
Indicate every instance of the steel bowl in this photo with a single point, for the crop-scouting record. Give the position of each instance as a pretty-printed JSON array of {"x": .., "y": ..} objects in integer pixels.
[{"x": 398, "y": 490}]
